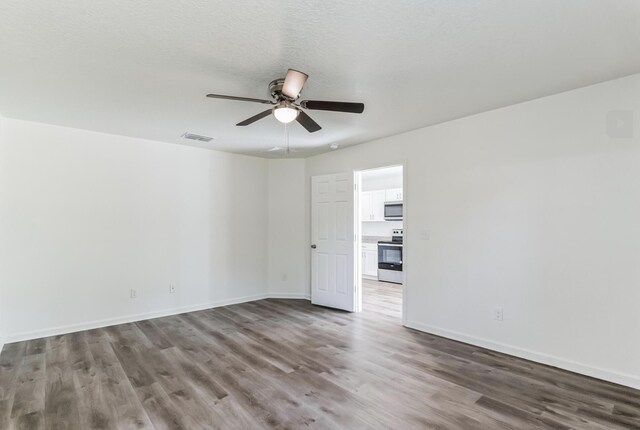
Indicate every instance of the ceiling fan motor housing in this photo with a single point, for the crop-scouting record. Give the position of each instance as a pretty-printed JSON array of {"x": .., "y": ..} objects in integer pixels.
[{"x": 275, "y": 88}]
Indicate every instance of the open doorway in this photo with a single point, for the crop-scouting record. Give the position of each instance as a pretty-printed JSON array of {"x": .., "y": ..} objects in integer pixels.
[{"x": 380, "y": 236}]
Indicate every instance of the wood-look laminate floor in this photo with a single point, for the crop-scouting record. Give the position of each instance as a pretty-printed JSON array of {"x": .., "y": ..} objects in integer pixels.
[
  {"x": 382, "y": 297},
  {"x": 286, "y": 364}
]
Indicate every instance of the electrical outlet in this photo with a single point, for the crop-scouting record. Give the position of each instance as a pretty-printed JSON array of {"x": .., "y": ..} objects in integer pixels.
[
  {"x": 425, "y": 234},
  {"x": 498, "y": 314},
  {"x": 172, "y": 288},
  {"x": 134, "y": 293}
]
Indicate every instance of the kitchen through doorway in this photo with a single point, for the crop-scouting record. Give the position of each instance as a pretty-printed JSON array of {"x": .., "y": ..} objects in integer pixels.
[{"x": 381, "y": 239}]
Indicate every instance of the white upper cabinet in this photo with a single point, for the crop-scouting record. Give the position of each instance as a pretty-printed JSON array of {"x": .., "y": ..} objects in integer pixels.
[
  {"x": 366, "y": 210},
  {"x": 372, "y": 205},
  {"x": 393, "y": 194},
  {"x": 377, "y": 205}
]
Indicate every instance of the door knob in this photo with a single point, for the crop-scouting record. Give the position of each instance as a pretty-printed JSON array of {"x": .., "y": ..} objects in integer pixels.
[{"x": 313, "y": 246}]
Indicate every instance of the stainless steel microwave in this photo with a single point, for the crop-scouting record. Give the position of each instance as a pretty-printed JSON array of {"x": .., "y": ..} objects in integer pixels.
[{"x": 393, "y": 211}]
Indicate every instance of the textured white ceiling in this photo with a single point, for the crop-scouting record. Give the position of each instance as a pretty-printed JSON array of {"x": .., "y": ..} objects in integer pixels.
[{"x": 142, "y": 68}]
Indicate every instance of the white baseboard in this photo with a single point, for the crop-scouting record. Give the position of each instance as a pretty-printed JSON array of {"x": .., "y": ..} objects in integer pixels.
[
  {"x": 289, "y": 296},
  {"x": 71, "y": 328},
  {"x": 550, "y": 360}
]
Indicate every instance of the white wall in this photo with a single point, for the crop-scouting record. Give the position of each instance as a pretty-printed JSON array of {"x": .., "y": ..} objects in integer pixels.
[
  {"x": 2, "y": 164},
  {"x": 287, "y": 236},
  {"x": 533, "y": 208},
  {"x": 85, "y": 217}
]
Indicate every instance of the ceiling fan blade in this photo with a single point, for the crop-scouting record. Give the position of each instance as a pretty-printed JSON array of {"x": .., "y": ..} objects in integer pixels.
[
  {"x": 293, "y": 83},
  {"x": 306, "y": 121},
  {"x": 333, "y": 106},
  {"x": 242, "y": 99},
  {"x": 255, "y": 118}
]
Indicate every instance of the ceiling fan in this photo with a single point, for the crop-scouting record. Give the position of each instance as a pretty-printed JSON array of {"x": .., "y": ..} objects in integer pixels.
[{"x": 285, "y": 92}]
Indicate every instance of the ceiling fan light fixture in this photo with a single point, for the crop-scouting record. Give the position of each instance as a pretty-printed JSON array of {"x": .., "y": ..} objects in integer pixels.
[{"x": 285, "y": 114}]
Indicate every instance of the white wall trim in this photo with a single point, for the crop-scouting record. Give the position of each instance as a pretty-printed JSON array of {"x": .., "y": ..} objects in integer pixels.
[
  {"x": 71, "y": 328},
  {"x": 304, "y": 296},
  {"x": 550, "y": 360}
]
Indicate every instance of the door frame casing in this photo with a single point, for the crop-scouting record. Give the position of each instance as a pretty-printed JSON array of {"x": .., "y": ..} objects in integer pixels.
[{"x": 358, "y": 231}]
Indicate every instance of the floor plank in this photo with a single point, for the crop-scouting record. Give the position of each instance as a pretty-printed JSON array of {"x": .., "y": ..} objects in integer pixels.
[
  {"x": 285, "y": 364},
  {"x": 384, "y": 298}
]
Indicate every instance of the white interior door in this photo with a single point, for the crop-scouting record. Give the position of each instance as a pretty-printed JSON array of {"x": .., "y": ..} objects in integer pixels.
[{"x": 333, "y": 241}]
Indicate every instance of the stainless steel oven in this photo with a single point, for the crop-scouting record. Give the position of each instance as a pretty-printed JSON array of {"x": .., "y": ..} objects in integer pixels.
[
  {"x": 390, "y": 259},
  {"x": 393, "y": 211}
]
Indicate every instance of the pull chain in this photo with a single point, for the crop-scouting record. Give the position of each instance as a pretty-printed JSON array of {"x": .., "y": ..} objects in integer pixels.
[{"x": 286, "y": 138}]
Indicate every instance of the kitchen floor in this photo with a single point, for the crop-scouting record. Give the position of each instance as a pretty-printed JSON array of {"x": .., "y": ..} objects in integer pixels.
[{"x": 382, "y": 297}]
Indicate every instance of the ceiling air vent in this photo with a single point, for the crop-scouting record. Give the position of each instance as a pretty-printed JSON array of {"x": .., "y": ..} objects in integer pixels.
[{"x": 197, "y": 137}]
